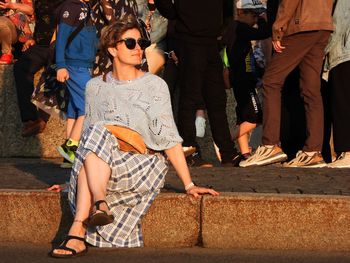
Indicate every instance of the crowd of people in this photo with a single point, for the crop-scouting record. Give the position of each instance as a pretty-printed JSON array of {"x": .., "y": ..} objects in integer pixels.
[
  {"x": 107, "y": 52},
  {"x": 198, "y": 56}
]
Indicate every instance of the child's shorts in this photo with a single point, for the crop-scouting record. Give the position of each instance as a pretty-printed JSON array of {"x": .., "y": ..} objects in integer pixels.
[
  {"x": 78, "y": 77},
  {"x": 248, "y": 107}
]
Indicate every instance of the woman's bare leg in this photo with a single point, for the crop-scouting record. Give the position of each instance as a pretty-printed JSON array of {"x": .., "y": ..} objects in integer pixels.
[
  {"x": 92, "y": 186},
  {"x": 98, "y": 173},
  {"x": 83, "y": 206}
]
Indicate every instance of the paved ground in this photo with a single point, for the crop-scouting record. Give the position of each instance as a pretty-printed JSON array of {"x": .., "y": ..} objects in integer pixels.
[
  {"x": 24, "y": 253},
  {"x": 16, "y": 173}
]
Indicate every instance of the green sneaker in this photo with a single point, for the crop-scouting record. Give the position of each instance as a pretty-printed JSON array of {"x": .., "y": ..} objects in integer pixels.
[{"x": 67, "y": 152}]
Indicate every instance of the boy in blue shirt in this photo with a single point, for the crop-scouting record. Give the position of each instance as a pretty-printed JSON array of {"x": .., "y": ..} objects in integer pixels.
[{"x": 74, "y": 63}]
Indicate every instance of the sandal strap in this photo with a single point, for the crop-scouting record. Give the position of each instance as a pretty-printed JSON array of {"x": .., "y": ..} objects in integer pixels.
[
  {"x": 75, "y": 237},
  {"x": 97, "y": 204},
  {"x": 64, "y": 245}
]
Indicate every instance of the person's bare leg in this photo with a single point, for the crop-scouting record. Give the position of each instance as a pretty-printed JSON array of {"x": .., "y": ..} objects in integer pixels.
[
  {"x": 98, "y": 173},
  {"x": 77, "y": 128},
  {"x": 69, "y": 127},
  {"x": 243, "y": 143},
  {"x": 83, "y": 206},
  {"x": 243, "y": 128}
]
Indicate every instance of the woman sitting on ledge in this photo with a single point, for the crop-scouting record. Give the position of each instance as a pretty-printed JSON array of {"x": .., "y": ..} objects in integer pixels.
[{"x": 111, "y": 190}]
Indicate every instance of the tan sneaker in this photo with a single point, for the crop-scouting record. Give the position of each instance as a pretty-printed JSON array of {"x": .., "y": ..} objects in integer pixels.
[
  {"x": 265, "y": 155},
  {"x": 343, "y": 161},
  {"x": 305, "y": 160}
]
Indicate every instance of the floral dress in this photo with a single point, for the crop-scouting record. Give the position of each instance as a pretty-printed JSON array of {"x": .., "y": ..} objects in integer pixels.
[{"x": 21, "y": 21}]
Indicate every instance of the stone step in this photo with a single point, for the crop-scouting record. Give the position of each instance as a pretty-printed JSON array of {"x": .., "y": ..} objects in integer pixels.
[{"x": 232, "y": 220}]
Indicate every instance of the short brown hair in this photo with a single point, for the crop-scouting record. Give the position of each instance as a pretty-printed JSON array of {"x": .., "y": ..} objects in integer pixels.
[{"x": 113, "y": 32}]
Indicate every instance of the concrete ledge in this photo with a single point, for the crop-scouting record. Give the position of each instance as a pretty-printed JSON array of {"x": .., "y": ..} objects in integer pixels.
[
  {"x": 43, "y": 217},
  {"x": 32, "y": 216},
  {"x": 172, "y": 221},
  {"x": 239, "y": 221},
  {"x": 263, "y": 221}
]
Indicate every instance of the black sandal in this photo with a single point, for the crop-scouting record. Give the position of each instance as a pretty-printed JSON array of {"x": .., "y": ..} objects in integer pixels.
[
  {"x": 64, "y": 247},
  {"x": 100, "y": 217}
]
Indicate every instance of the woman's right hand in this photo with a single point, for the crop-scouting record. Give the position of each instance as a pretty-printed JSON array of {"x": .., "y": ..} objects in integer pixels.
[
  {"x": 62, "y": 75},
  {"x": 198, "y": 191}
]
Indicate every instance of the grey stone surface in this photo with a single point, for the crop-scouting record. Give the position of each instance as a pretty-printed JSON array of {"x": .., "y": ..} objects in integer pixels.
[
  {"x": 12, "y": 144},
  {"x": 38, "y": 173}
]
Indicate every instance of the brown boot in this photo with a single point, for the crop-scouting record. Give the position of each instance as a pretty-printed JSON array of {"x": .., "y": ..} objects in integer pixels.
[{"x": 32, "y": 128}]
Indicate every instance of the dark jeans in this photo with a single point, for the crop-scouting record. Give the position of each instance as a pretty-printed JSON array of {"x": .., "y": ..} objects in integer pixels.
[
  {"x": 307, "y": 51},
  {"x": 201, "y": 78},
  {"x": 24, "y": 70},
  {"x": 340, "y": 104}
]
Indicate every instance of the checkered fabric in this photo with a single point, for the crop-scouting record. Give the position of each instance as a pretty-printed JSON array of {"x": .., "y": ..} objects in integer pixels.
[{"x": 135, "y": 181}]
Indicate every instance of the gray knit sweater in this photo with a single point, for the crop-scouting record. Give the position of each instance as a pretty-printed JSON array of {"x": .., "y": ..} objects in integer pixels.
[{"x": 142, "y": 104}]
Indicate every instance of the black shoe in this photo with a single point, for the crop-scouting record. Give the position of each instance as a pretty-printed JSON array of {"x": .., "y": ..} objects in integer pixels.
[
  {"x": 232, "y": 162},
  {"x": 195, "y": 160}
]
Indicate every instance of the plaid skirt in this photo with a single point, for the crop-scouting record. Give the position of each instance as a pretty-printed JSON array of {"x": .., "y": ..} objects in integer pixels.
[{"x": 135, "y": 181}]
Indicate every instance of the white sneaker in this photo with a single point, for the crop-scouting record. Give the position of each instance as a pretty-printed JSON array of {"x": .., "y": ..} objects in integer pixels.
[
  {"x": 305, "y": 160},
  {"x": 343, "y": 161},
  {"x": 200, "y": 126},
  {"x": 265, "y": 155}
]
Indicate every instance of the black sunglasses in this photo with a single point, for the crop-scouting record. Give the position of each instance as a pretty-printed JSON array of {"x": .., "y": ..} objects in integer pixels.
[{"x": 130, "y": 43}]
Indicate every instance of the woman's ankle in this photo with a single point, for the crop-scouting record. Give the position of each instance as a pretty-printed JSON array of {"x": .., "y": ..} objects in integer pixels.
[{"x": 78, "y": 228}]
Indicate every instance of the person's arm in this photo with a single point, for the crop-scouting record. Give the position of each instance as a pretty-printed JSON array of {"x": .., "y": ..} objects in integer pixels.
[
  {"x": 166, "y": 8},
  {"x": 67, "y": 20},
  {"x": 285, "y": 12},
  {"x": 247, "y": 32},
  {"x": 177, "y": 159},
  {"x": 63, "y": 33},
  {"x": 26, "y": 8}
]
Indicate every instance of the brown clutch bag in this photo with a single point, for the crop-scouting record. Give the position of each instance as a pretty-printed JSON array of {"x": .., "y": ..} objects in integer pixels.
[{"x": 128, "y": 139}]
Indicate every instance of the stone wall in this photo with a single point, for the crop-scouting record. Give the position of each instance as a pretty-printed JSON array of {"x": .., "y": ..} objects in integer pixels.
[{"x": 12, "y": 144}]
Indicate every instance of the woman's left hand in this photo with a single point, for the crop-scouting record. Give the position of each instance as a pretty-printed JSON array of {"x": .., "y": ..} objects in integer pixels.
[
  {"x": 197, "y": 191},
  {"x": 57, "y": 188}
]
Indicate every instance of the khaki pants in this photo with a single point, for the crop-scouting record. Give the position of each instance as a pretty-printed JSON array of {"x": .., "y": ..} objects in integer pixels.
[
  {"x": 305, "y": 50},
  {"x": 8, "y": 34}
]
